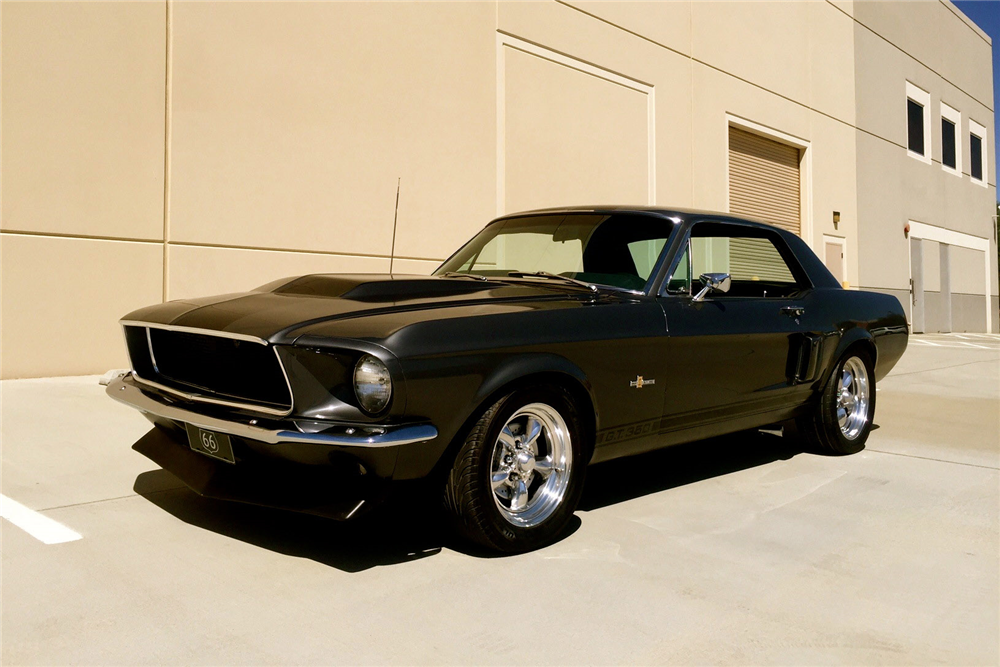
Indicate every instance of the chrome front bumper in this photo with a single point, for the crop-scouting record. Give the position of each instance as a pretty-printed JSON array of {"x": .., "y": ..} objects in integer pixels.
[{"x": 125, "y": 390}]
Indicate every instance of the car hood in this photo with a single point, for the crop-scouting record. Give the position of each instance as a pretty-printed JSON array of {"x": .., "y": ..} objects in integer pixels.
[{"x": 277, "y": 312}]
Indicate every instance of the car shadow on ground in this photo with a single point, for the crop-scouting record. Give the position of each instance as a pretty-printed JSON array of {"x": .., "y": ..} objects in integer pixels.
[
  {"x": 388, "y": 536},
  {"x": 402, "y": 532},
  {"x": 663, "y": 469}
]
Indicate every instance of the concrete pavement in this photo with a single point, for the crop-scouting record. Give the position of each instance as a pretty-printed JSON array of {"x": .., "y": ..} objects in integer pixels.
[{"x": 736, "y": 550}]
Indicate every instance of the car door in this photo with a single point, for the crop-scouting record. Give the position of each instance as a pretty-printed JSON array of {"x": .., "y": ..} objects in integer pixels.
[{"x": 734, "y": 354}]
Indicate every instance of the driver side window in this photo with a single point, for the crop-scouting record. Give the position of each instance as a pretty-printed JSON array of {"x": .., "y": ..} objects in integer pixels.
[{"x": 749, "y": 255}]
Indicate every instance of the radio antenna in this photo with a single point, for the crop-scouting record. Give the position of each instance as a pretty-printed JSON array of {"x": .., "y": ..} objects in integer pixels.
[{"x": 395, "y": 217}]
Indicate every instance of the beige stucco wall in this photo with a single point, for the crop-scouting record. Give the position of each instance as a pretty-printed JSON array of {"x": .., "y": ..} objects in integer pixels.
[
  {"x": 62, "y": 298},
  {"x": 284, "y": 136},
  {"x": 286, "y": 128},
  {"x": 83, "y": 118},
  {"x": 598, "y": 152},
  {"x": 82, "y": 156},
  {"x": 941, "y": 52},
  {"x": 966, "y": 267}
]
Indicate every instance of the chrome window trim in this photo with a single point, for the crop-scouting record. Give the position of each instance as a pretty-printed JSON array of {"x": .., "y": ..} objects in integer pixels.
[
  {"x": 674, "y": 264},
  {"x": 690, "y": 266},
  {"x": 201, "y": 398}
]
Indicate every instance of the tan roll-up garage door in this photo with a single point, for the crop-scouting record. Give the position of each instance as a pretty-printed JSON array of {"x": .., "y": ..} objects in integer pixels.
[{"x": 763, "y": 183}]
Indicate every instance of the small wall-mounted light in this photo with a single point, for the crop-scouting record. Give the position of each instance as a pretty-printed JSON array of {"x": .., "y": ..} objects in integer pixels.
[
  {"x": 906, "y": 230},
  {"x": 836, "y": 219}
]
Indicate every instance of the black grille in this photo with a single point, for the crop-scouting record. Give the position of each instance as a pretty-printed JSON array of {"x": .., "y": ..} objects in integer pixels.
[{"x": 233, "y": 369}]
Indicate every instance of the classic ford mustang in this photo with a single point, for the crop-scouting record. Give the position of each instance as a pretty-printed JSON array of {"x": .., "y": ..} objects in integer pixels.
[{"x": 553, "y": 340}]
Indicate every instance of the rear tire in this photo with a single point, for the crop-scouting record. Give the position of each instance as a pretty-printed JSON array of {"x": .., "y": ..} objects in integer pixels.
[
  {"x": 518, "y": 476},
  {"x": 842, "y": 419}
]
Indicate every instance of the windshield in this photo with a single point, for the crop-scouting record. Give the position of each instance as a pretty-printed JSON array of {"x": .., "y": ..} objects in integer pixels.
[{"x": 618, "y": 250}]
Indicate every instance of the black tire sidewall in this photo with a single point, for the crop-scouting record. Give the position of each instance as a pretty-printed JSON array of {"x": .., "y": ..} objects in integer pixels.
[
  {"x": 504, "y": 534},
  {"x": 839, "y": 443}
]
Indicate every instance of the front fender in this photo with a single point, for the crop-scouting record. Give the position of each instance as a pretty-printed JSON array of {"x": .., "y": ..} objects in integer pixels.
[
  {"x": 523, "y": 367},
  {"x": 453, "y": 392}
]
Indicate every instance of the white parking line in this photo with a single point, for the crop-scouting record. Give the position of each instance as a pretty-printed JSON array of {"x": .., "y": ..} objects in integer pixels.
[
  {"x": 40, "y": 527},
  {"x": 961, "y": 347},
  {"x": 952, "y": 341}
]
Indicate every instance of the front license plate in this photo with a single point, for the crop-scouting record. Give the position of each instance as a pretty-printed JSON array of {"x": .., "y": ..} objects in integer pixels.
[{"x": 216, "y": 445}]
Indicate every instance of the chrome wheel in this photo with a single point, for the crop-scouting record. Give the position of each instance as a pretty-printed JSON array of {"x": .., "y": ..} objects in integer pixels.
[
  {"x": 531, "y": 465},
  {"x": 853, "y": 398}
]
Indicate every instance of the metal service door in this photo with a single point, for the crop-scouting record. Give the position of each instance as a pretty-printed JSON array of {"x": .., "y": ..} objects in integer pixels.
[{"x": 916, "y": 285}]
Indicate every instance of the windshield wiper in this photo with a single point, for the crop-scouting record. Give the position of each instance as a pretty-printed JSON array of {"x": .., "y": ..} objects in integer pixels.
[
  {"x": 471, "y": 276},
  {"x": 590, "y": 287},
  {"x": 552, "y": 276},
  {"x": 593, "y": 287}
]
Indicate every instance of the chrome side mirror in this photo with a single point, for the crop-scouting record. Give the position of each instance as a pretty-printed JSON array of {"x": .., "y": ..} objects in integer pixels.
[{"x": 713, "y": 282}]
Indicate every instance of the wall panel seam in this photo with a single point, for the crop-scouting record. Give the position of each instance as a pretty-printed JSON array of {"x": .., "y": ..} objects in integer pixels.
[
  {"x": 79, "y": 237},
  {"x": 220, "y": 246},
  {"x": 966, "y": 20},
  {"x": 579, "y": 64},
  {"x": 691, "y": 100},
  {"x": 167, "y": 94},
  {"x": 764, "y": 88},
  {"x": 702, "y": 62},
  {"x": 624, "y": 29},
  {"x": 505, "y": 40},
  {"x": 331, "y": 253},
  {"x": 912, "y": 57},
  {"x": 978, "y": 295}
]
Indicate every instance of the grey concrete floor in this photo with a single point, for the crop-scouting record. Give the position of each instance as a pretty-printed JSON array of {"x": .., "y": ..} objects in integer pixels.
[{"x": 739, "y": 550}]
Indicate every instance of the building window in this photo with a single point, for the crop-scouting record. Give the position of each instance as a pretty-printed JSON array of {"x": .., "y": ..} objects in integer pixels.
[
  {"x": 918, "y": 123},
  {"x": 977, "y": 152},
  {"x": 951, "y": 145},
  {"x": 915, "y": 127},
  {"x": 976, "y": 149},
  {"x": 947, "y": 143}
]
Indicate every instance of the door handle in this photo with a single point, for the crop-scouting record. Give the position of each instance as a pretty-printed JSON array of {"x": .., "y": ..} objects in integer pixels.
[{"x": 792, "y": 311}]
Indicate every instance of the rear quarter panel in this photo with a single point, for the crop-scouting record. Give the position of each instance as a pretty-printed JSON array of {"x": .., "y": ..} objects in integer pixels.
[
  {"x": 871, "y": 317},
  {"x": 857, "y": 315}
]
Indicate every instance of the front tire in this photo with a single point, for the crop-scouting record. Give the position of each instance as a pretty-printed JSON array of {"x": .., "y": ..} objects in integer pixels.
[
  {"x": 519, "y": 474},
  {"x": 842, "y": 420}
]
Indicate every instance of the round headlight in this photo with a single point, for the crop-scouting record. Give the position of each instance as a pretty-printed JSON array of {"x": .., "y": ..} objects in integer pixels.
[{"x": 372, "y": 384}]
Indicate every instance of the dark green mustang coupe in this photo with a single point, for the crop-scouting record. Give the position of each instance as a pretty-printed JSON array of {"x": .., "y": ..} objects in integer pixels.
[{"x": 553, "y": 340}]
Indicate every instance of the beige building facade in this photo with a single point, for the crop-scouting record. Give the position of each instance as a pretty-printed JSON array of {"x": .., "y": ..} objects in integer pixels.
[{"x": 158, "y": 150}]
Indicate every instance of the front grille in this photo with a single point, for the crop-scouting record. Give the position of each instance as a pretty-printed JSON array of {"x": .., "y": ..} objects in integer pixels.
[{"x": 237, "y": 370}]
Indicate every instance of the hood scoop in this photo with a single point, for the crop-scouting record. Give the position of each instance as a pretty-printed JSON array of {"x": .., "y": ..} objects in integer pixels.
[{"x": 379, "y": 289}]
